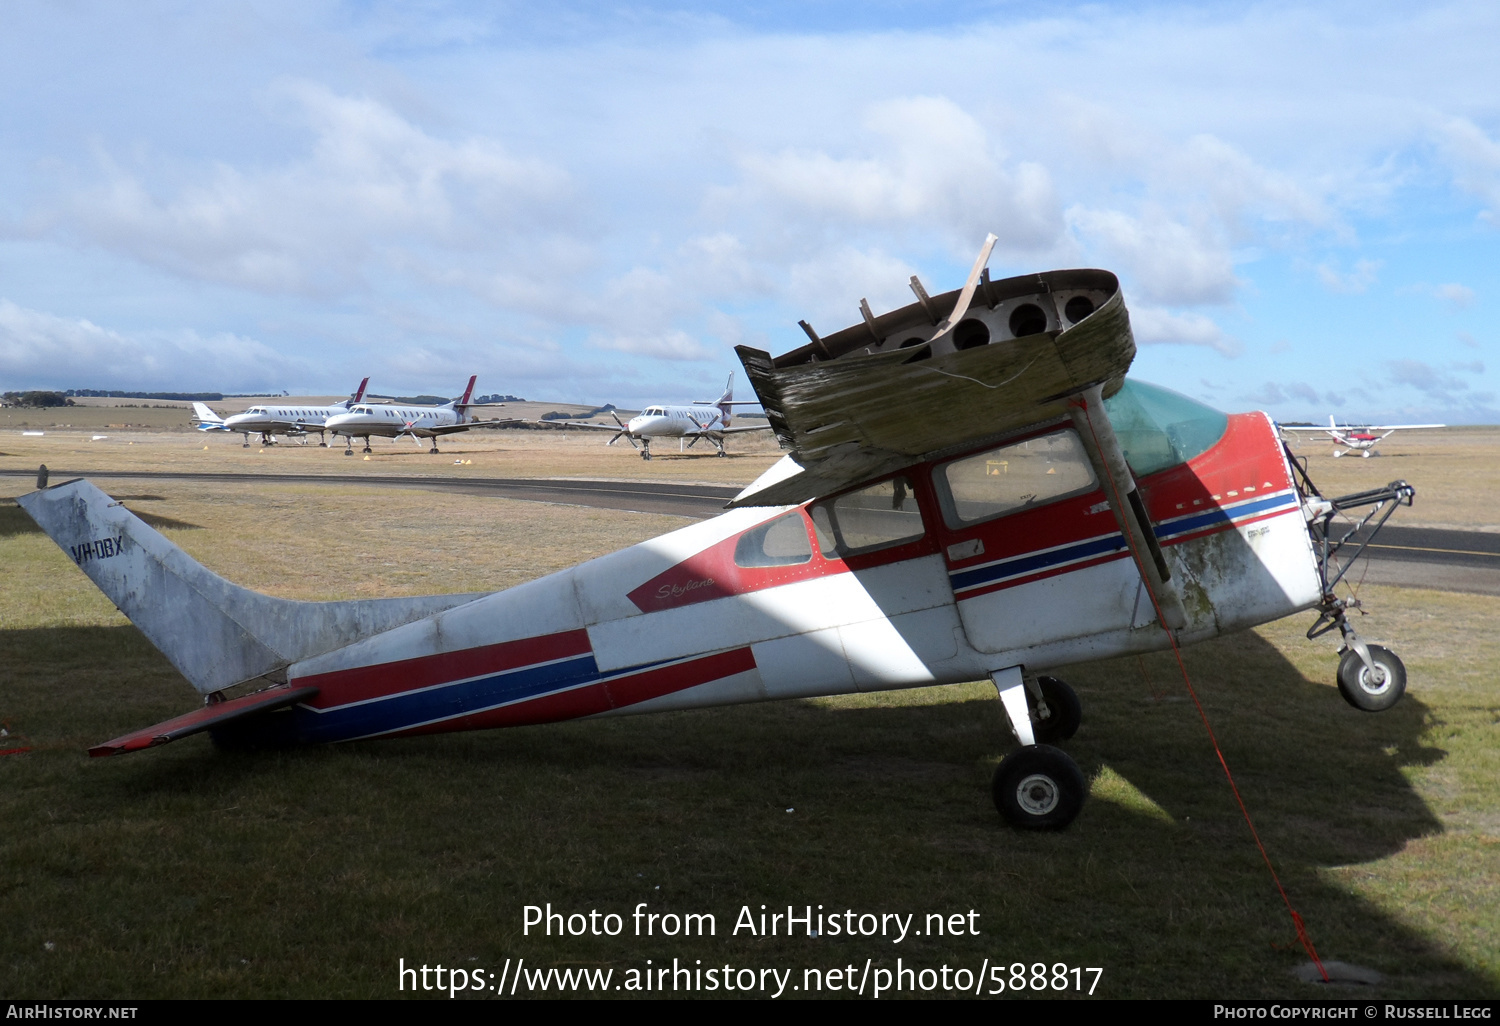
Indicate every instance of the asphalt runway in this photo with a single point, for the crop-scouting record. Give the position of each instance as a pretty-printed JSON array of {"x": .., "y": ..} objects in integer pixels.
[{"x": 1423, "y": 557}]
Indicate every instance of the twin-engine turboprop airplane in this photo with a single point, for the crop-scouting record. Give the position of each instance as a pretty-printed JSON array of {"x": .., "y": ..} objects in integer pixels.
[
  {"x": 972, "y": 489},
  {"x": 699, "y": 420},
  {"x": 1360, "y": 439},
  {"x": 394, "y": 421},
  {"x": 271, "y": 420}
]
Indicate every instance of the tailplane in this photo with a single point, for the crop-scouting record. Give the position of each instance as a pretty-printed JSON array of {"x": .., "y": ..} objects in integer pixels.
[
  {"x": 216, "y": 633},
  {"x": 207, "y": 419}
]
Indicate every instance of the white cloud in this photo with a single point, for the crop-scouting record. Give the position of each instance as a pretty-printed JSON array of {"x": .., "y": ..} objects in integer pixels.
[
  {"x": 1155, "y": 326},
  {"x": 1170, "y": 262},
  {"x": 669, "y": 345},
  {"x": 1354, "y": 282},
  {"x": 921, "y": 162},
  {"x": 372, "y": 182},
  {"x": 39, "y": 349},
  {"x": 1455, "y": 295},
  {"x": 1476, "y": 162}
]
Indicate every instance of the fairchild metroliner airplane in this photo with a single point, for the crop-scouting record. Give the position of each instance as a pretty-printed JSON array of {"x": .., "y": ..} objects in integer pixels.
[
  {"x": 394, "y": 421},
  {"x": 699, "y": 420},
  {"x": 277, "y": 419},
  {"x": 972, "y": 489}
]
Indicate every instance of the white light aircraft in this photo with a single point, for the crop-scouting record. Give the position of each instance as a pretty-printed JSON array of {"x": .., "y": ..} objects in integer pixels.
[
  {"x": 271, "y": 420},
  {"x": 1360, "y": 439},
  {"x": 973, "y": 489},
  {"x": 701, "y": 419},
  {"x": 394, "y": 421}
]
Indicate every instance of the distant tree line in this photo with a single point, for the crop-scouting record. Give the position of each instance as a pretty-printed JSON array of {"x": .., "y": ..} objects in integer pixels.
[
  {"x": 100, "y": 393},
  {"x": 37, "y": 399}
]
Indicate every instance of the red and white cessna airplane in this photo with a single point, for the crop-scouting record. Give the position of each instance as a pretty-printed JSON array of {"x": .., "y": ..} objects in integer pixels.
[
  {"x": 1360, "y": 439},
  {"x": 972, "y": 489}
]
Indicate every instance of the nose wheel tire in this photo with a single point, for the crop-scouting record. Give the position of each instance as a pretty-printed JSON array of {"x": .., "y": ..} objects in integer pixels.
[
  {"x": 1064, "y": 711},
  {"x": 1373, "y": 691},
  {"x": 1039, "y": 788}
]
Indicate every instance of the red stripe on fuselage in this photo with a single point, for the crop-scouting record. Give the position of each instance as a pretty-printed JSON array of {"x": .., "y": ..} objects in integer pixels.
[
  {"x": 1248, "y": 461},
  {"x": 598, "y": 698},
  {"x": 340, "y": 687}
]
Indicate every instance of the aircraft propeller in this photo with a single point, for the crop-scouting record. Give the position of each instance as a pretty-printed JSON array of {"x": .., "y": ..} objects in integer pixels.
[{"x": 624, "y": 432}]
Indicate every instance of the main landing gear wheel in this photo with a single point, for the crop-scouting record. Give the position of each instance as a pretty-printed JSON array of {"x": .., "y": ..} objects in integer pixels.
[
  {"x": 1039, "y": 788},
  {"x": 1064, "y": 711},
  {"x": 1372, "y": 692}
]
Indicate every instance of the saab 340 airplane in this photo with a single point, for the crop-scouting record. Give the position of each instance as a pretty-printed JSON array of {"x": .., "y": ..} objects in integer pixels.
[
  {"x": 269, "y": 420},
  {"x": 393, "y": 421},
  {"x": 1360, "y": 439},
  {"x": 701, "y": 419},
  {"x": 972, "y": 489}
]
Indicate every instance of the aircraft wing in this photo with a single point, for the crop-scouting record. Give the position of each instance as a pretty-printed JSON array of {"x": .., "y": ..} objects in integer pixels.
[
  {"x": 898, "y": 389},
  {"x": 743, "y": 428},
  {"x": 449, "y": 429},
  {"x": 580, "y": 424}
]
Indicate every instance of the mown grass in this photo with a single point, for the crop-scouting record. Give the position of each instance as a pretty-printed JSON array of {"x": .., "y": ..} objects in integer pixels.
[{"x": 189, "y": 872}]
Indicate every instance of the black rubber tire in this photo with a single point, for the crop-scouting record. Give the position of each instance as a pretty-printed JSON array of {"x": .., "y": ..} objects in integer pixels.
[
  {"x": 1039, "y": 788},
  {"x": 1064, "y": 708},
  {"x": 1367, "y": 691}
]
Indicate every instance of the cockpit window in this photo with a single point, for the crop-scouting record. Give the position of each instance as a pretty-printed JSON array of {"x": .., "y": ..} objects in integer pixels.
[
  {"x": 1158, "y": 428},
  {"x": 782, "y": 542},
  {"x": 871, "y": 518}
]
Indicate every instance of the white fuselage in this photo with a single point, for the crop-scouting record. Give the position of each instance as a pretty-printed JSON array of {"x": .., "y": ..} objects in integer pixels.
[
  {"x": 677, "y": 421},
  {"x": 367, "y": 420},
  {"x": 269, "y": 419}
]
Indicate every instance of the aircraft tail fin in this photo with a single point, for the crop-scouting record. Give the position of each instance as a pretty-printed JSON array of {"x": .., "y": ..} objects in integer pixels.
[
  {"x": 216, "y": 633},
  {"x": 726, "y": 401},
  {"x": 207, "y": 419},
  {"x": 468, "y": 392},
  {"x": 359, "y": 393}
]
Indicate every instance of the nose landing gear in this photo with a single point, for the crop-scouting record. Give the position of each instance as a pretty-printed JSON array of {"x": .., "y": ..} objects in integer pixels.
[{"x": 1038, "y": 787}]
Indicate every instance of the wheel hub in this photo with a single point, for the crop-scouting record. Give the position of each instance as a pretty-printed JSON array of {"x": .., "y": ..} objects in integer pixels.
[
  {"x": 1037, "y": 794},
  {"x": 1376, "y": 681}
]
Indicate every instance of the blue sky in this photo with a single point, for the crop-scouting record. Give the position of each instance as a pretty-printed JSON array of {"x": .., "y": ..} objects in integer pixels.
[{"x": 596, "y": 203}]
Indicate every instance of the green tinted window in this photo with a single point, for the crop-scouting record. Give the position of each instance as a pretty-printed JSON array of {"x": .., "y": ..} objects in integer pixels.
[{"x": 1158, "y": 428}]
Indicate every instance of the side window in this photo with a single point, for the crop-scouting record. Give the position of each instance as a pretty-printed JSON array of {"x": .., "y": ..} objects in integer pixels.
[
  {"x": 1013, "y": 477},
  {"x": 782, "y": 542},
  {"x": 876, "y": 517}
]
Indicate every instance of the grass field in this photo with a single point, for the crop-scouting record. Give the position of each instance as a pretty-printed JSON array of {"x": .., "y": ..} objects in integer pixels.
[{"x": 190, "y": 872}]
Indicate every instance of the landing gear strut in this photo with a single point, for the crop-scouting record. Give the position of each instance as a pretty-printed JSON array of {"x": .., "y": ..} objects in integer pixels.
[
  {"x": 1038, "y": 787},
  {"x": 1371, "y": 678}
]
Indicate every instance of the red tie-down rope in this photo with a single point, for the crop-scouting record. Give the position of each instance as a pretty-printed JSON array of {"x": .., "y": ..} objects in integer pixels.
[{"x": 1177, "y": 651}]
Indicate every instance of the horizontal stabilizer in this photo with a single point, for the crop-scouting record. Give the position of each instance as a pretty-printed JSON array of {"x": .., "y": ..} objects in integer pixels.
[{"x": 206, "y": 718}]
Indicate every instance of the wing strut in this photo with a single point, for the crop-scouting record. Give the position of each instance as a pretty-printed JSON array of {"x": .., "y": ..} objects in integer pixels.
[{"x": 1087, "y": 411}]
